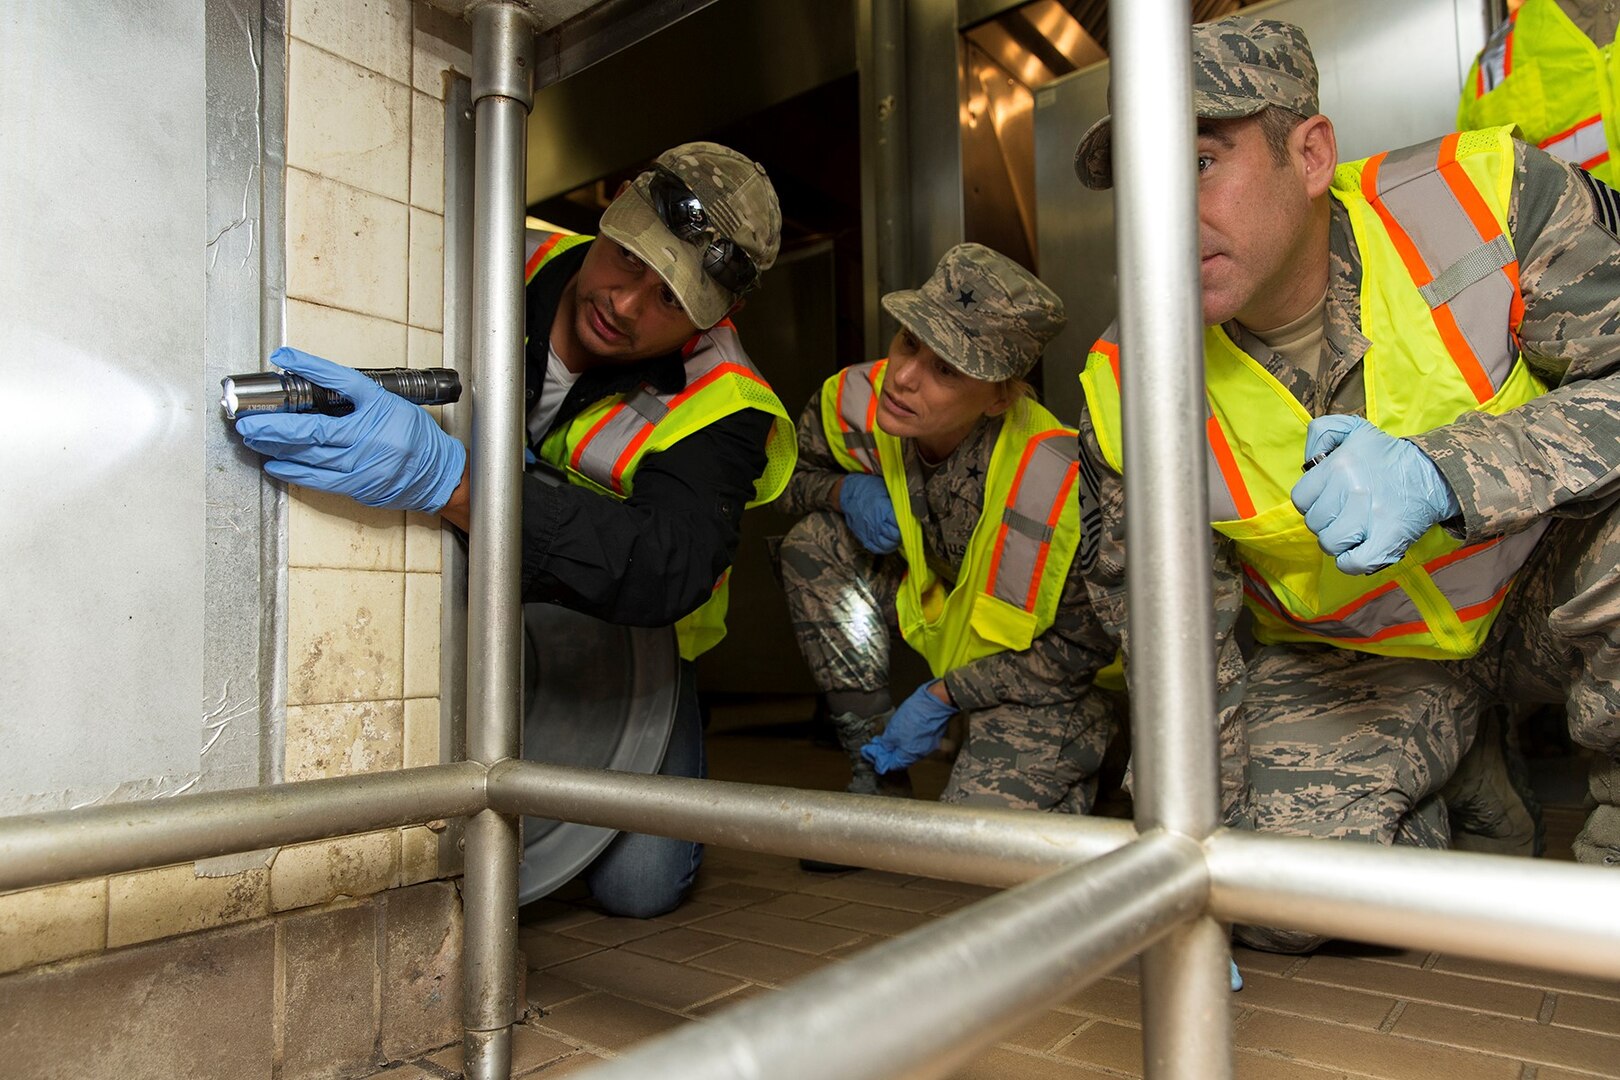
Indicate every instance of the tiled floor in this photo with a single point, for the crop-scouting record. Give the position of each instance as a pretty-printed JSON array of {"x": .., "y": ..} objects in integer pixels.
[{"x": 597, "y": 986}]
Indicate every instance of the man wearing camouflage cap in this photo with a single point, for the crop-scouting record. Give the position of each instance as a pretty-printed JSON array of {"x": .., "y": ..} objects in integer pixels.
[
  {"x": 641, "y": 396},
  {"x": 939, "y": 499},
  {"x": 1430, "y": 334}
]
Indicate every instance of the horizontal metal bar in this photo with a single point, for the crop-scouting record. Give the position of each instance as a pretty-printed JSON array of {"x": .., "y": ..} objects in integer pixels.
[
  {"x": 1549, "y": 915},
  {"x": 922, "y": 1004},
  {"x": 960, "y": 843},
  {"x": 41, "y": 849}
]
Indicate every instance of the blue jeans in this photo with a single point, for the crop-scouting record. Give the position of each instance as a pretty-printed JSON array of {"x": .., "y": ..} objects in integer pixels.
[{"x": 639, "y": 876}]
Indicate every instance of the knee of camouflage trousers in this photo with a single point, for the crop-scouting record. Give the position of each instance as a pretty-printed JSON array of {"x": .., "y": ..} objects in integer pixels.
[
  {"x": 1599, "y": 842},
  {"x": 1425, "y": 826},
  {"x": 1492, "y": 807}
]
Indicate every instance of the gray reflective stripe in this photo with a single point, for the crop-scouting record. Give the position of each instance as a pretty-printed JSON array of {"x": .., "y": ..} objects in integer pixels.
[
  {"x": 1493, "y": 61},
  {"x": 608, "y": 442},
  {"x": 1221, "y": 505},
  {"x": 1392, "y": 608},
  {"x": 1587, "y": 141},
  {"x": 1040, "y": 489},
  {"x": 1411, "y": 189},
  {"x": 531, "y": 243},
  {"x": 648, "y": 404},
  {"x": 1476, "y": 578},
  {"x": 854, "y": 399},
  {"x": 859, "y": 440},
  {"x": 1038, "y": 531},
  {"x": 643, "y": 409},
  {"x": 1466, "y": 582},
  {"x": 1484, "y": 260}
]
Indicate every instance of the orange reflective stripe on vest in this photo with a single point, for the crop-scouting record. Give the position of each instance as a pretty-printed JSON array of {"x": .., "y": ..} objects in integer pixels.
[
  {"x": 616, "y": 439},
  {"x": 1040, "y": 492},
  {"x": 1586, "y": 144},
  {"x": 857, "y": 413},
  {"x": 1457, "y": 254}
]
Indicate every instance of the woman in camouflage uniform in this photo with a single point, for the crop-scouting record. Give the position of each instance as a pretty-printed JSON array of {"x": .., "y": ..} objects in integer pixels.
[{"x": 939, "y": 500}]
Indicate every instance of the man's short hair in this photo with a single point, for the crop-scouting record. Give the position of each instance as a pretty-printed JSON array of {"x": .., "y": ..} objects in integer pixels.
[{"x": 1277, "y": 124}]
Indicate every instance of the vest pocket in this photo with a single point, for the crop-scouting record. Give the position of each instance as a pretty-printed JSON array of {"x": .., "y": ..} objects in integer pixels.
[
  {"x": 1001, "y": 623},
  {"x": 1282, "y": 549}
]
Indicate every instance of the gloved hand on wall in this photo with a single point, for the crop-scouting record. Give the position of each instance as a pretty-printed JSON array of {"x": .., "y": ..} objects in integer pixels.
[
  {"x": 869, "y": 513},
  {"x": 1370, "y": 496},
  {"x": 916, "y": 727},
  {"x": 388, "y": 453}
]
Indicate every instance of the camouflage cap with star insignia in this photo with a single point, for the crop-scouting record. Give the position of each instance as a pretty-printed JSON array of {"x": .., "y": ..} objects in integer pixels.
[
  {"x": 982, "y": 313},
  {"x": 1241, "y": 65}
]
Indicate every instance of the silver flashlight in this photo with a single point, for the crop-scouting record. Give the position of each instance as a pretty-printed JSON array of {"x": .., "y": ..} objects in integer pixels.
[{"x": 282, "y": 391}]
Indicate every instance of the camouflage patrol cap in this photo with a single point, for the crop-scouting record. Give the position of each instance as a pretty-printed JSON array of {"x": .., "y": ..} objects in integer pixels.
[
  {"x": 740, "y": 203},
  {"x": 1241, "y": 64},
  {"x": 982, "y": 313}
]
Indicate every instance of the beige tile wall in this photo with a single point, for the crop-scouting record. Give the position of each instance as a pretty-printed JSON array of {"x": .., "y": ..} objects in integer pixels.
[{"x": 365, "y": 287}]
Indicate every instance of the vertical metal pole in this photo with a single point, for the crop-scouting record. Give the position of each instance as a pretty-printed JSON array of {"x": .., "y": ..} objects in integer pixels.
[
  {"x": 1186, "y": 1027},
  {"x": 503, "y": 62},
  {"x": 885, "y": 168},
  {"x": 458, "y": 293}
]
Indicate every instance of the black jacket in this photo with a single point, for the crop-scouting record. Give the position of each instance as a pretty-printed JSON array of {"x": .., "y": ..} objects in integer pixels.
[{"x": 654, "y": 557}]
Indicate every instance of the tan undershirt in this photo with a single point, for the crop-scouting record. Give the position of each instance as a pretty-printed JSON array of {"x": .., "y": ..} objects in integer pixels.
[{"x": 1299, "y": 342}]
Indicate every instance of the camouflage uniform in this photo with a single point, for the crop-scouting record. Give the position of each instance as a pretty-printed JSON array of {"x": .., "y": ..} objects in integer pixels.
[
  {"x": 1036, "y": 734},
  {"x": 1324, "y": 742}
]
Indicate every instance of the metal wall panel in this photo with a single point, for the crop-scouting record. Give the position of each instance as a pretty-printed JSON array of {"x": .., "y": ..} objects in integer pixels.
[
  {"x": 1391, "y": 71},
  {"x": 130, "y": 189}
]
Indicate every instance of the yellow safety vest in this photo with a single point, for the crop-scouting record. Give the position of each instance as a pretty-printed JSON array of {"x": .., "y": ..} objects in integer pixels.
[
  {"x": 1018, "y": 557},
  {"x": 601, "y": 447},
  {"x": 1541, "y": 72},
  {"x": 1440, "y": 307}
]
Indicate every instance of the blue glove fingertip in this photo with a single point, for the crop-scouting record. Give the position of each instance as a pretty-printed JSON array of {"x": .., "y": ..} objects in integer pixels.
[
  {"x": 1325, "y": 433},
  {"x": 323, "y": 372},
  {"x": 1237, "y": 979}
]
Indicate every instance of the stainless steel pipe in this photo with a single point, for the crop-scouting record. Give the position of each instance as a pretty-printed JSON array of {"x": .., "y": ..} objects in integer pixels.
[
  {"x": 922, "y": 1004},
  {"x": 503, "y": 64},
  {"x": 958, "y": 843},
  {"x": 1549, "y": 915},
  {"x": 65, "y": 845},
  {"x": 1186, "y": 1024}
]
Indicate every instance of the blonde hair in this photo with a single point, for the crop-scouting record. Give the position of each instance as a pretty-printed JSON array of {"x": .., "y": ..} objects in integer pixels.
[{"x": 1016, "y": 389}]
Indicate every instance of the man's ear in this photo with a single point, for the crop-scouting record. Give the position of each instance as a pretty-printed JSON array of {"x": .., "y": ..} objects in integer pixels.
[
  {"x": 1317, "y": 150},
  {"x": 624, "y": 185}
]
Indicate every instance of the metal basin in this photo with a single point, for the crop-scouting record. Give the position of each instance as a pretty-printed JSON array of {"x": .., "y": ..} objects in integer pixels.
[{"x": 596, "y": 695}]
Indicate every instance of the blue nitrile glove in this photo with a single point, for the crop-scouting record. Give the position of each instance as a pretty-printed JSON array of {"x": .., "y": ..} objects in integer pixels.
[
  {"x": 387, "y": 453},
  {"x": 1237, "y": 980},
  {"x": 913, "y": 731},
  {"x": 869, "y": 513},
  {"x": 1372, "y": 496}
]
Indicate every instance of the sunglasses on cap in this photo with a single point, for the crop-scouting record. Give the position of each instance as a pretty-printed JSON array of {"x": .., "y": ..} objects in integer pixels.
[{"x": 682, "y": 213}]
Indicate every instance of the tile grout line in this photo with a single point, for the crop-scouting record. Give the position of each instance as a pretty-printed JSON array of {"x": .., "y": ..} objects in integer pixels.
[{"x": 1549, "y": 1006}]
